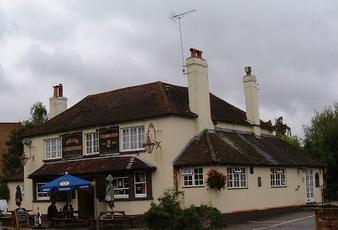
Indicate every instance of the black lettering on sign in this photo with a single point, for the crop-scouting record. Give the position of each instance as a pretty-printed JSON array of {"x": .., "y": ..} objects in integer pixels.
[
  {"x": 21, "y": 217},
  {"x": 72, "y": 145},
  {"x": 109, "y": 140}
]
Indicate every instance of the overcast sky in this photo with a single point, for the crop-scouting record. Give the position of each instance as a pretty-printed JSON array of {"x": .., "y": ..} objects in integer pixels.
[{"x": 95, "y": 46}]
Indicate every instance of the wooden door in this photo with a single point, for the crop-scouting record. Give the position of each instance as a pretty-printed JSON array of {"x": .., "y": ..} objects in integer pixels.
[{"x": 86, "y": 202}]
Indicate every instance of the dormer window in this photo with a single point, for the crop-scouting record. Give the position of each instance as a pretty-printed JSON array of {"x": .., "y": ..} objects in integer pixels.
[
  {"x": 52, "y": 148},
  {"x": 92, "y": 143},
  {"x": 132, "y": 138}
]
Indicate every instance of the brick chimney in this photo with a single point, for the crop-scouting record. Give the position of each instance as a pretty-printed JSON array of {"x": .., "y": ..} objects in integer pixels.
[
  {"x": 57, "y": 103},
  {"x": 198, "y": 88},
  {"x": 251, "y": 100}
]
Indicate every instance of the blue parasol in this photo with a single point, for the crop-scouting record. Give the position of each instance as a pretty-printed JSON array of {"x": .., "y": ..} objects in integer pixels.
[{"x": 65, "y": 183}]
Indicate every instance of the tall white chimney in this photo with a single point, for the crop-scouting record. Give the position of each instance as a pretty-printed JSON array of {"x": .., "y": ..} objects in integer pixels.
[
  {"x": 57, "y": 103},
  {"x": 251, "y": 100},
  {"x": 198, "y": 88}
]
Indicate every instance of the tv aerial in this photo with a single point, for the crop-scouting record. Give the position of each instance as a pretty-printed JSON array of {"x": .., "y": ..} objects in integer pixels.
[{"x": 177, "y": 17}]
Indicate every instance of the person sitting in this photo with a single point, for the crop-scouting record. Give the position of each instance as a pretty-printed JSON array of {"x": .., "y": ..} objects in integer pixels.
[
  {"x": 68, "y": 210},
  {"x": 52, "y": 211}
]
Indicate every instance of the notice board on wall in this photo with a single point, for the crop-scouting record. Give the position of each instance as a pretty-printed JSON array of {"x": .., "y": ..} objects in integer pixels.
[
  {"x": 72, "y": 145},
  {"x": 109, "y": 140}
]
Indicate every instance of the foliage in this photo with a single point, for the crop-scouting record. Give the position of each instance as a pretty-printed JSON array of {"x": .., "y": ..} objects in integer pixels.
[
  {"x": 15, "y": 147},
  {"x": 216, "y": 180},
  {"x": 4, "y": 191},
  {"x": 292, "y": 140},
  {"x": 321, "y": 141},
  {"x": 281, "y": 128},
  {"x": 169, "y": 214},
  {"x": 202, "y": 217}
]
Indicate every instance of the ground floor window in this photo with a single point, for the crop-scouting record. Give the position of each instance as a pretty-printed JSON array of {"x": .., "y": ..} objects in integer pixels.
[
  {"x": 192, "y": 177},
  {"x": 121, "y": 187},
  {"x": 140, "y": 184},
  {"x": 236, "y": 177},
  {"x": 40, "y": 195},
  {"x": 278, "y": 178}
]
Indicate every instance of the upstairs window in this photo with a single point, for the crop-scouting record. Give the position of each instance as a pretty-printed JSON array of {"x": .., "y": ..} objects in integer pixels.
[
  {"x": 278, "y": 178},
  {"x": 192, "y": 177},
  {"x": 132, "y": 138},
  {"x": 92, "y": 143},
  {"x": 237, "y": 177},
  {"x": 52, "y": 148}
]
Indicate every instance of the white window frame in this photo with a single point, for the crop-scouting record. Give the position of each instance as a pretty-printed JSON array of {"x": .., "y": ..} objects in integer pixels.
[
  {"x": 48, "y": 151},
  {"x": 38, "y": 194},
  {"x": 121, "y": 196},
  {"x": 94, "y": 149},
  {"x": 139, "y": 139},
  {"x": 278, "y": 177},
  {"x": 140, "y": 195},
  {"x": 193, "y": 175},
  {"x": 237, "y": 177}
]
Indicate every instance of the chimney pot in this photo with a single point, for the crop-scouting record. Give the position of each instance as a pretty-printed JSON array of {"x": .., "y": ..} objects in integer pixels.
[
  {"x": 196, "y": 53},
  {"x": 248, "y": 70}
]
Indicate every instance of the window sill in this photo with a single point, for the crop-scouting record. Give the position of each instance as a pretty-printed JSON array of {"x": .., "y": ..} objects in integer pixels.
[
  {"x": 193, "y": 186},
  {"x": 133, "y": 199},
  {"x": 132, "y": 151},
  {"x": 41, "y": 201},
  {"x": 278, "y": 186},
  {"x": 236, "y": 188},
  {"x": 91, "y": 155}
]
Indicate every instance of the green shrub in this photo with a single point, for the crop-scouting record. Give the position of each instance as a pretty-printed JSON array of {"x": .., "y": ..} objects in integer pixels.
[{"x": 169, "y": 214}]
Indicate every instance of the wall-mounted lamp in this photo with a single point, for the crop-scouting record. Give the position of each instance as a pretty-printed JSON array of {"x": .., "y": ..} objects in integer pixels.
[{"x": 151, "y": 141}]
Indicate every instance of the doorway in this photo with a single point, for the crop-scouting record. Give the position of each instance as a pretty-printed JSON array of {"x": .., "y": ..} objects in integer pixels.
[
  {"x": 309, "y": 183},
  {"x": 86, "y": 202}
]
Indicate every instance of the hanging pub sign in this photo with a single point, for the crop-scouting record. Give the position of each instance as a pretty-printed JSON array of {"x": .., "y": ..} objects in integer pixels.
[
  {"x": 72, "y": 145},
  {"x": 109, "y": 140}
]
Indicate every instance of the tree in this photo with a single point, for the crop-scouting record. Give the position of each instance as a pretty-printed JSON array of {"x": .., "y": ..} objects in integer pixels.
[
  {"x": 15, "y": 147},
  {"x": 283, "y": 131},
  {"x": 321, "y": 141}
]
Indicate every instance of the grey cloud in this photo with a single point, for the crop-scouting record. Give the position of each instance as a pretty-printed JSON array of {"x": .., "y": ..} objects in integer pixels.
[{"x": 96, "y": 46}]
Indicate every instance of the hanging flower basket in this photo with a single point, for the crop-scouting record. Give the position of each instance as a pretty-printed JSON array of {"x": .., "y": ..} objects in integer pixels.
[{"x": 216, "y": 179}]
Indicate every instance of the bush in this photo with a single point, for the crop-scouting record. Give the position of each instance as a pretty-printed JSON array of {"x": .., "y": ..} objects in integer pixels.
[{"x": 169, "y": 214}]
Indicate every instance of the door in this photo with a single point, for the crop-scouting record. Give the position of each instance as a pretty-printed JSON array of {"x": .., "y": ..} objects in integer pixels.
[
  {"x": 310, "y": 191},
  {"x": 86, "y": 202}
]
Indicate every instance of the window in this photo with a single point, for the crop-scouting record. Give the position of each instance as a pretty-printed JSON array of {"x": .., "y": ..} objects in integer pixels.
[
  {"x": 92, "y": 143},
  {"x": 237, "y": 178},
  {"x": 40, "y": 195},
  {"x": 192, "y": 177},
  {"x": 317, "y": 180},
  {"x": 132, "y": 138},
  {"x": 121, "y": 187},
  {"x": 278, "y": 178},
  {"x": 140, "y": 184},
  {"x": 53, "y": 148}
]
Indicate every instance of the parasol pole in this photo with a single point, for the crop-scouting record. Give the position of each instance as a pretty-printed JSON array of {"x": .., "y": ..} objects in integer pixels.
[{"x": 95, "y": 205}]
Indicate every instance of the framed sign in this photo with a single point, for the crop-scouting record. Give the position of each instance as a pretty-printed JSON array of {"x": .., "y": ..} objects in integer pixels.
[
  {"x": 20, "y": 217},
  {"x": 109, "y": 140},
  {"x": 72, "y": 145}
]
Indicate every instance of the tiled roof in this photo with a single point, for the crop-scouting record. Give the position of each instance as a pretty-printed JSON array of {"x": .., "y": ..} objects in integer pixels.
[
  {"x": 212, "y": 147},
  {"x": 136, "y": 103},
  {"x": 17, "y": 176},
  {"x": 92, "y": 166}
]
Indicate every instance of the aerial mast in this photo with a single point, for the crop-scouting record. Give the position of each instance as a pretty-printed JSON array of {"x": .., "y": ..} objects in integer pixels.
[{"x": 177, "y": 17}]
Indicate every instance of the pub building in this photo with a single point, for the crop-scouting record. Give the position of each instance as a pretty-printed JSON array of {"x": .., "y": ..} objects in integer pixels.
[{"x": 159, "y": 136}]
